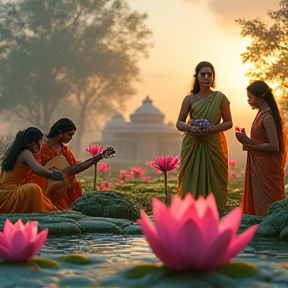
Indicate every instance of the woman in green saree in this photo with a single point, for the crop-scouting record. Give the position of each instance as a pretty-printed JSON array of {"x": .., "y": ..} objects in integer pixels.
[{"x": 204, "y": 152}]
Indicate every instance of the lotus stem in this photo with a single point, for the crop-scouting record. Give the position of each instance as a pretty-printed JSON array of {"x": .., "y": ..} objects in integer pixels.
[
  {"x": 95, "y": 175},
  {"x": 166, "y": 188}
]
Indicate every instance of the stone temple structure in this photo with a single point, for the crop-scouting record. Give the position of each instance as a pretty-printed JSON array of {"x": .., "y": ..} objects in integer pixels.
[{"x": 145, "y": 136}]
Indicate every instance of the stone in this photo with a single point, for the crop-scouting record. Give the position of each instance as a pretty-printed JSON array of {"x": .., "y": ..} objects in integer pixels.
[
  {"x": 275, "y": 221},
  {"x": 74, "y": 223},
  {"x": 107, "y": 204}
]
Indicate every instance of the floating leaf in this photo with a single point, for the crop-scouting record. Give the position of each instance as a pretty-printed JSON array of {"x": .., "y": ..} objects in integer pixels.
[
  {"x": 237, "y": 270},
  {"x": 75, "y": 259},
  {"x": 141, "y": 270},
  {"x": 43, "y": 262}
]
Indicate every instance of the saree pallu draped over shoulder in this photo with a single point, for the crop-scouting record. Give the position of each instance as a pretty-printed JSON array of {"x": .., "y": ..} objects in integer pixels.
[
  {"x": 265, "y": 172},
  {"x": 204, "y": 159}
]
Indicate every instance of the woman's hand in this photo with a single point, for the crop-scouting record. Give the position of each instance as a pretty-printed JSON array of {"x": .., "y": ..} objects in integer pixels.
[
  {"x": 243, "y": 139},
  {"x": 194, "y": 130},
  {"x": 57, "y": 176}
]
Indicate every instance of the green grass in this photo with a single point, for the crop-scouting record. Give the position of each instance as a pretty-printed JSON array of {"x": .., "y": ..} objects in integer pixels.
[{"x": 142, "y": 193}]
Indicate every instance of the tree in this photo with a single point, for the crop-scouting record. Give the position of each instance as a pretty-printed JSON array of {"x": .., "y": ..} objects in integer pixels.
[
  {"x": 268, "y": 51},
  {"x": 84, "y": 51}
]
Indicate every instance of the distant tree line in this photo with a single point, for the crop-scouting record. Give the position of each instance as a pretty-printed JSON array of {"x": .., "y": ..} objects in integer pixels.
[{"x": 69, "y": 54}]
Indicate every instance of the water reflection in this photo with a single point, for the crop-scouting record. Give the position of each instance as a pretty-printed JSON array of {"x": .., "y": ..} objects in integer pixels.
[{"x": 127, "y": 249}]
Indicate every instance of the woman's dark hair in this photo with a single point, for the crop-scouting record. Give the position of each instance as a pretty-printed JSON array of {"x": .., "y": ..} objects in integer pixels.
[
  {"x": 22, "y": 139},
  {"x": 62, "y": 125},
  {"x": 196, "y": 86},
  {"x": 261, "y": 90}
]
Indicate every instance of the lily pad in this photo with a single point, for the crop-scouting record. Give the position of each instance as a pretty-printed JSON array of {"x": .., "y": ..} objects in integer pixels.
[
  {"x": 142, "y": 270},
  {"x": 237, "y": 270},
  {"x": 43, "y": 262},
  {"x": 75, "y": 259}
]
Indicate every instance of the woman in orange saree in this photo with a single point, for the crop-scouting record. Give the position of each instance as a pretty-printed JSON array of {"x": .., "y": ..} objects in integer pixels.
[
  {"x": 266, "y": 152},
  {"x": 204, "y": 152},
  {"x": 17, "y": 195}
]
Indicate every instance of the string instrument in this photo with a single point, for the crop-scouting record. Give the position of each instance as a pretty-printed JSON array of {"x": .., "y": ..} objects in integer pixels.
[{"x": 61, "y": 165}]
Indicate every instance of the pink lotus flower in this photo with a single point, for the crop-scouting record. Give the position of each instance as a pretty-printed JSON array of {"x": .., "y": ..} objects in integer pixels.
[
  {"x": 231, "y": 175},
  {"x": 188, "y": 236},
  {"x": 103, "y": 167},
  {"x": 20, "y": 242},
  {"x": 233, "y": 162},
  {"x": 239, "y": 129},
  {"x": 105, "y": 185},
  {"x": 125, "y": 175},
  {"x": 95, "y": 149},
  {"x": 150, "y": 164},
  {"x": 137, "y": 171},
  {"x": 146, "y": 179},
  {"x": 166, "y": 164}
]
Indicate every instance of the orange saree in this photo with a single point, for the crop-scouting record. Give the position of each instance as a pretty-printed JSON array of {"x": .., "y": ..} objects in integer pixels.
[
  {"x": 265, "y": 172},
  {"x": 19, "y": 196},
  {"x": 61, "y": 199}
]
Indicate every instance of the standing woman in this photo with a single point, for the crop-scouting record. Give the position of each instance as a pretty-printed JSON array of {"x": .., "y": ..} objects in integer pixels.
[
  {"x": 204, "y": 152},
  {"x": 17, "y": 195},
  {"x": 266, "y": 156},
  {"x": 60, "y": 134}
]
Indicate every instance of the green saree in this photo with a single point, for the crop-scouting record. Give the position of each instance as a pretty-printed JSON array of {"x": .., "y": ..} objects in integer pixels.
[{"x": 204, "y": 159}]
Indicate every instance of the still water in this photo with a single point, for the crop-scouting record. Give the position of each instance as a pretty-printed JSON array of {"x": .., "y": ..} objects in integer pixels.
[{"x": 129, "y": 249}]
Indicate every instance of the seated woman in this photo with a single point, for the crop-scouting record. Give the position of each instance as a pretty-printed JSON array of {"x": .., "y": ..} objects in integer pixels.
[
  {"x": 56, "y": 146},
  {"x": 16, "y": 194}
]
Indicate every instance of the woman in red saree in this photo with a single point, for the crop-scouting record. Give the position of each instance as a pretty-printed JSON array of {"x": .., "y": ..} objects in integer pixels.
[
  {"x": 60, "y": 134},
  {"x": 266, "y": 152}
]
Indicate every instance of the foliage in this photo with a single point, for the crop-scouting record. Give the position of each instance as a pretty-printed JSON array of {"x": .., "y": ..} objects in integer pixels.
[
  {"x": 86, "y": 52},
  {"x": 268, "y": 50},
  {"x": 142, "y": 193}
]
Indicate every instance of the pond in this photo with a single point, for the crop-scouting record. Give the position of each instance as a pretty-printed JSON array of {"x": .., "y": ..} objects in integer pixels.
[{"x": 110, "y": 255}]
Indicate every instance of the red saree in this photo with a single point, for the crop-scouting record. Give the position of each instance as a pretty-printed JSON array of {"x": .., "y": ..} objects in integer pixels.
[
  {"x": 61, "y": 199},
  {"x": 265, "y": 172}
]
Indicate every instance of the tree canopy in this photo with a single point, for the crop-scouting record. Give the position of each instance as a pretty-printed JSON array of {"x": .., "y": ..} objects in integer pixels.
[
  {"x": 268, "y": 50},
  {"x": 86, "y": 52}
]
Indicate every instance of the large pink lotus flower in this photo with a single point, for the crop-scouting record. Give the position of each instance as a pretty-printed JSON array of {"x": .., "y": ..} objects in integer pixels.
[
  {"x": 95, "y": 149},
  {"x": 20, "y": 242},
  {"x": 188, "y": 236},
  {"x": 166, "y": 164}
]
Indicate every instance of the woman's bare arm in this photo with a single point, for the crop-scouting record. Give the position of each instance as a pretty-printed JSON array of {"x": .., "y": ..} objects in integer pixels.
[{"x": 27, "y": 157}]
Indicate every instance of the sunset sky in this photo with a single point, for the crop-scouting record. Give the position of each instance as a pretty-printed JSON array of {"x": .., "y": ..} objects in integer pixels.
[{"x": 186, "y": 32}]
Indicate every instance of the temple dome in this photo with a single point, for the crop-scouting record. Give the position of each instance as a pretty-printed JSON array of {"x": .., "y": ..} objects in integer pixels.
[
  {"x": 116, "y": 122},
  {"x": 147, "y": 113}
]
